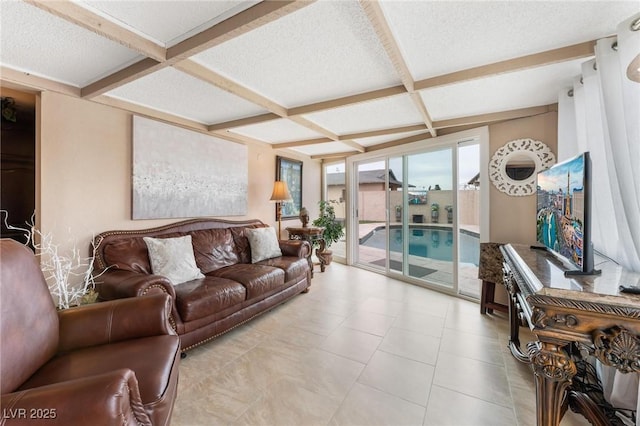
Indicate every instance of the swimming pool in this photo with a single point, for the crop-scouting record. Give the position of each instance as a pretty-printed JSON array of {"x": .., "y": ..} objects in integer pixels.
[{"x": 424, "y": 241}]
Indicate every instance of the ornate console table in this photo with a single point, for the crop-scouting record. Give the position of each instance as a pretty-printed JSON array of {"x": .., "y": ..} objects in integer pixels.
[
  {"x": 312, "y": 234},
  {"x": 588, "y": 311}
]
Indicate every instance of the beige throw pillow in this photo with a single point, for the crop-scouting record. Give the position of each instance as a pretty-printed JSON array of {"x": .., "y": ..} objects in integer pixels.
[
  {"x": 173, "y": 258},
  {"x": 264, "y": 243}
]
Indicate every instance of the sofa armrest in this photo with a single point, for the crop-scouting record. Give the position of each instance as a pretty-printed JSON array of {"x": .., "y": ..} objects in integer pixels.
[
  {"x": 110, "y": 398},
  {"x": 297, "y": 248},
  {"x": 114, "y": 321},
  {"x": 118, "y": 284}
]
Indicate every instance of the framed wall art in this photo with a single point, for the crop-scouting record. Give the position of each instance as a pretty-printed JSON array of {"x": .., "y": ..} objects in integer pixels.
[
  {"x": 290, "y": 171},
  {"x": 179, "y": 173}
]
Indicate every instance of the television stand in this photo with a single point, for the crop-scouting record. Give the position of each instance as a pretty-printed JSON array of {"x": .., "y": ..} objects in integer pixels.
[{"x": 594, "y": 315}]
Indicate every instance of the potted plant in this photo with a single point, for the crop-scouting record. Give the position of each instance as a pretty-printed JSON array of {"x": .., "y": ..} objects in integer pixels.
[
  {"x": 435, "y": 212},
  {"x": 332, "y": 233},
  {"x": 449, "y": 210}
]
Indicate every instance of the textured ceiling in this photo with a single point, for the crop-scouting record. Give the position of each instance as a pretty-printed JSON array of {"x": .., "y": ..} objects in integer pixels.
[{"x": 324, "y": 78}]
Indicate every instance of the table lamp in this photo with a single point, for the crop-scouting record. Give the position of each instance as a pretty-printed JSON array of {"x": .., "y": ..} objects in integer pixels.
[{"x": 280, "y": 194}]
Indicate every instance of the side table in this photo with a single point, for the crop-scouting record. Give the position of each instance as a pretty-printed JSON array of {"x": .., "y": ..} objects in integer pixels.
[{"x": 312, "y": 234}]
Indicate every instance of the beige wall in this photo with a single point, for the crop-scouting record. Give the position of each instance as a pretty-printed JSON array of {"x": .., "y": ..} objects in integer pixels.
[
  {"x": 85, "y": 172},
  {"x": 513, "y": 218}
]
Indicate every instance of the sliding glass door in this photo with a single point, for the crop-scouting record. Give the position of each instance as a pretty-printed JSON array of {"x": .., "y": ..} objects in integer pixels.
[{"x": 418, "y": 215}]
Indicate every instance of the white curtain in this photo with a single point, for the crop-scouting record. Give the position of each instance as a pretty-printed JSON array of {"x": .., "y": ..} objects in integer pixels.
[{"x": 601, "y": 114}]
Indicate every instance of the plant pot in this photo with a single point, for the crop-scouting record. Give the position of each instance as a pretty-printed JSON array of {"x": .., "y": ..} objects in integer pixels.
[{"x": 325, "y": 258}]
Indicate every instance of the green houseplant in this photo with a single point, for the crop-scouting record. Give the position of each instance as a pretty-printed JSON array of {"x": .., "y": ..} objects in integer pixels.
[
  {"x": 435, "y": 212},
  {"x": 333, "y": 231}
]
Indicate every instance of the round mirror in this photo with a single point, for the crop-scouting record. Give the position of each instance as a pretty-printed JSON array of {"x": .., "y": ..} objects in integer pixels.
[
  {"x": 513, "y": 167},
  {"x": 520, "y": 167}
]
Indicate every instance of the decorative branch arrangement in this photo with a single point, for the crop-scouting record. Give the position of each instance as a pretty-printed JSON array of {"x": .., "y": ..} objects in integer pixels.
[{"x": 69, "y": 276}]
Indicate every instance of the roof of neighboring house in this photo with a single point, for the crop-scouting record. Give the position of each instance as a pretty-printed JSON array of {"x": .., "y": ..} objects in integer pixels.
[{"x": 365, "y": 176}]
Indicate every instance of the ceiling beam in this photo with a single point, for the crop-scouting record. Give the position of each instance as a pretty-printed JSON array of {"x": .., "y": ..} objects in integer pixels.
[
  {"x": 348, "y": 100},
  {"x": 26, "y": 79},
  {"x": 378, "y": 21},
  {"x": 102, "y": 26},
  {"x": 382, "y": 132},
  {"x": 247, "y": 20},
  {"x": 236, "y": 25},
  {"x": 151, "y": 113},
  {"x": 244, "y": 121},
  {"x": 205, "y": 74},
  {"x": 398, "y": 142},
  {"x": 354, "y": 145},
  {"x": 334, "y": 156},
  {"x": 493, "y": 117},
  {"x": 119, "y": 78},
  {"x": 549, "y": 57},
  {"x": 305, "y": 142},
  {"x": 374, "y": 12}
]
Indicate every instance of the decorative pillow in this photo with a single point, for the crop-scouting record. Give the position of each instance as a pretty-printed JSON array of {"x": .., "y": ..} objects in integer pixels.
[
  {"x": 263, "y": 242},
  {"x": 173, "y": 258}
]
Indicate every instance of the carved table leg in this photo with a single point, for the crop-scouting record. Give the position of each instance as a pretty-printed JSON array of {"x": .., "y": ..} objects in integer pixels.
[
  {"x": 319, "y": 251},
  {"x": 553, "y": 373}
]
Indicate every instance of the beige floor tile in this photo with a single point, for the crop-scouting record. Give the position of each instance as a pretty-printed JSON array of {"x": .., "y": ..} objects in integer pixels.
[
  {"x": 327, "y": 373},
  {"x": 382, "y": 306},
  {"x": 470, "y": 322},
  {"x": 288, "y": 402},
  {"x": 367, "y": 406},
  {"x": 309, "y": 362},
  {"x": 352, "y": 344},
  {"x": 419, "y": 322},
  {"x": 412, "y": 345},
  {"x": 469, "y": 345},
  {"x": 399, "y": 376},
  {"x": 474, "y": 378},
  {"x": 449, "y": 408},
  {"x": 369, "y": 322}
]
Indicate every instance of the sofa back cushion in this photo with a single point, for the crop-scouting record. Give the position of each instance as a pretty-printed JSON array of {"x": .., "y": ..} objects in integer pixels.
[
  {"x": 214, "y": 249},
  {"x": 173, "y": 258},
  {"x": 125, "y": 249},
  {"x": 29, "y": 328}
]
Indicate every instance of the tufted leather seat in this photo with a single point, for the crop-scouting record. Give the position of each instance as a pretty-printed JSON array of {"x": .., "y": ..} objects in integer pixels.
[
  {"x": 106, "y": 363},
  {"x": 233, "y": 289}
]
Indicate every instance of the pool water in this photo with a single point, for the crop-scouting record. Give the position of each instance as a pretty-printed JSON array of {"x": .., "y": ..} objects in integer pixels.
[{"x": 434, "y": 243}]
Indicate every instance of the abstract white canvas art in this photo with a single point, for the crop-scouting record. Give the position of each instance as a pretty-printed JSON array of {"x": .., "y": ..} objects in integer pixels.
[{"x": 180, "y": 173}]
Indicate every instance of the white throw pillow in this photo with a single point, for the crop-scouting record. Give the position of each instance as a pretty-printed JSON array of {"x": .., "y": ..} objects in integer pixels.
[
  {"x": 264, "y": 243},
  {"x": 173, "y": 258}
]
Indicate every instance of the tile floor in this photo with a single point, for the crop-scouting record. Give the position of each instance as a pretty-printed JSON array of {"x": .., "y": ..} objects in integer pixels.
[{"x": 360, "y": 349}]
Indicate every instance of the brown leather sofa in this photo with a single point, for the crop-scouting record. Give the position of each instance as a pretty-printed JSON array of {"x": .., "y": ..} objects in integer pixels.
[
  {"x": 101, "y": 364},
  {"x": 233, "y": 289}
]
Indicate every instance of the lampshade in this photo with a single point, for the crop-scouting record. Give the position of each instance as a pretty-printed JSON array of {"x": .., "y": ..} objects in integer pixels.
[{"x": 280, "y": 192}]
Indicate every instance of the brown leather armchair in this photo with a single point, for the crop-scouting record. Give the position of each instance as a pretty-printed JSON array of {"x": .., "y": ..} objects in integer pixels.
[{"x": 107, "y": 363}]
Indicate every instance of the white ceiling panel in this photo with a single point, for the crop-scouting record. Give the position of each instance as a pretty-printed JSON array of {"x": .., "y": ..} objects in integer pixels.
[
  {"x": 394, "y": 111},
  {"x": 35, "y": 41},
  {"x": 167, "y": 22},
  {"x": 323, "y": 51},
  {"x": 275, "y": 131},
  {"x": 439, "y": 37},
  {"x": 175, "y": 92},
  {"x": 324, "y": 148},
  {"x": 377, "y": 140},
  {"x": 534, "y": 87}
]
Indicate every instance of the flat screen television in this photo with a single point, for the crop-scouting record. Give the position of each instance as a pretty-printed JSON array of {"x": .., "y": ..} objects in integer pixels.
[{"x": 564, "y": 213}]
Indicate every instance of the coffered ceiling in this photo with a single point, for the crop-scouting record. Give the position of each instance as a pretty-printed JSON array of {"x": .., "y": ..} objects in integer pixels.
[{"x": 326, "y": 78}]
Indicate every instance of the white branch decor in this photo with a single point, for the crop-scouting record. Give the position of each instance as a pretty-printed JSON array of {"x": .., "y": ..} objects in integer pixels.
[{"x": 69, "y": 275}]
